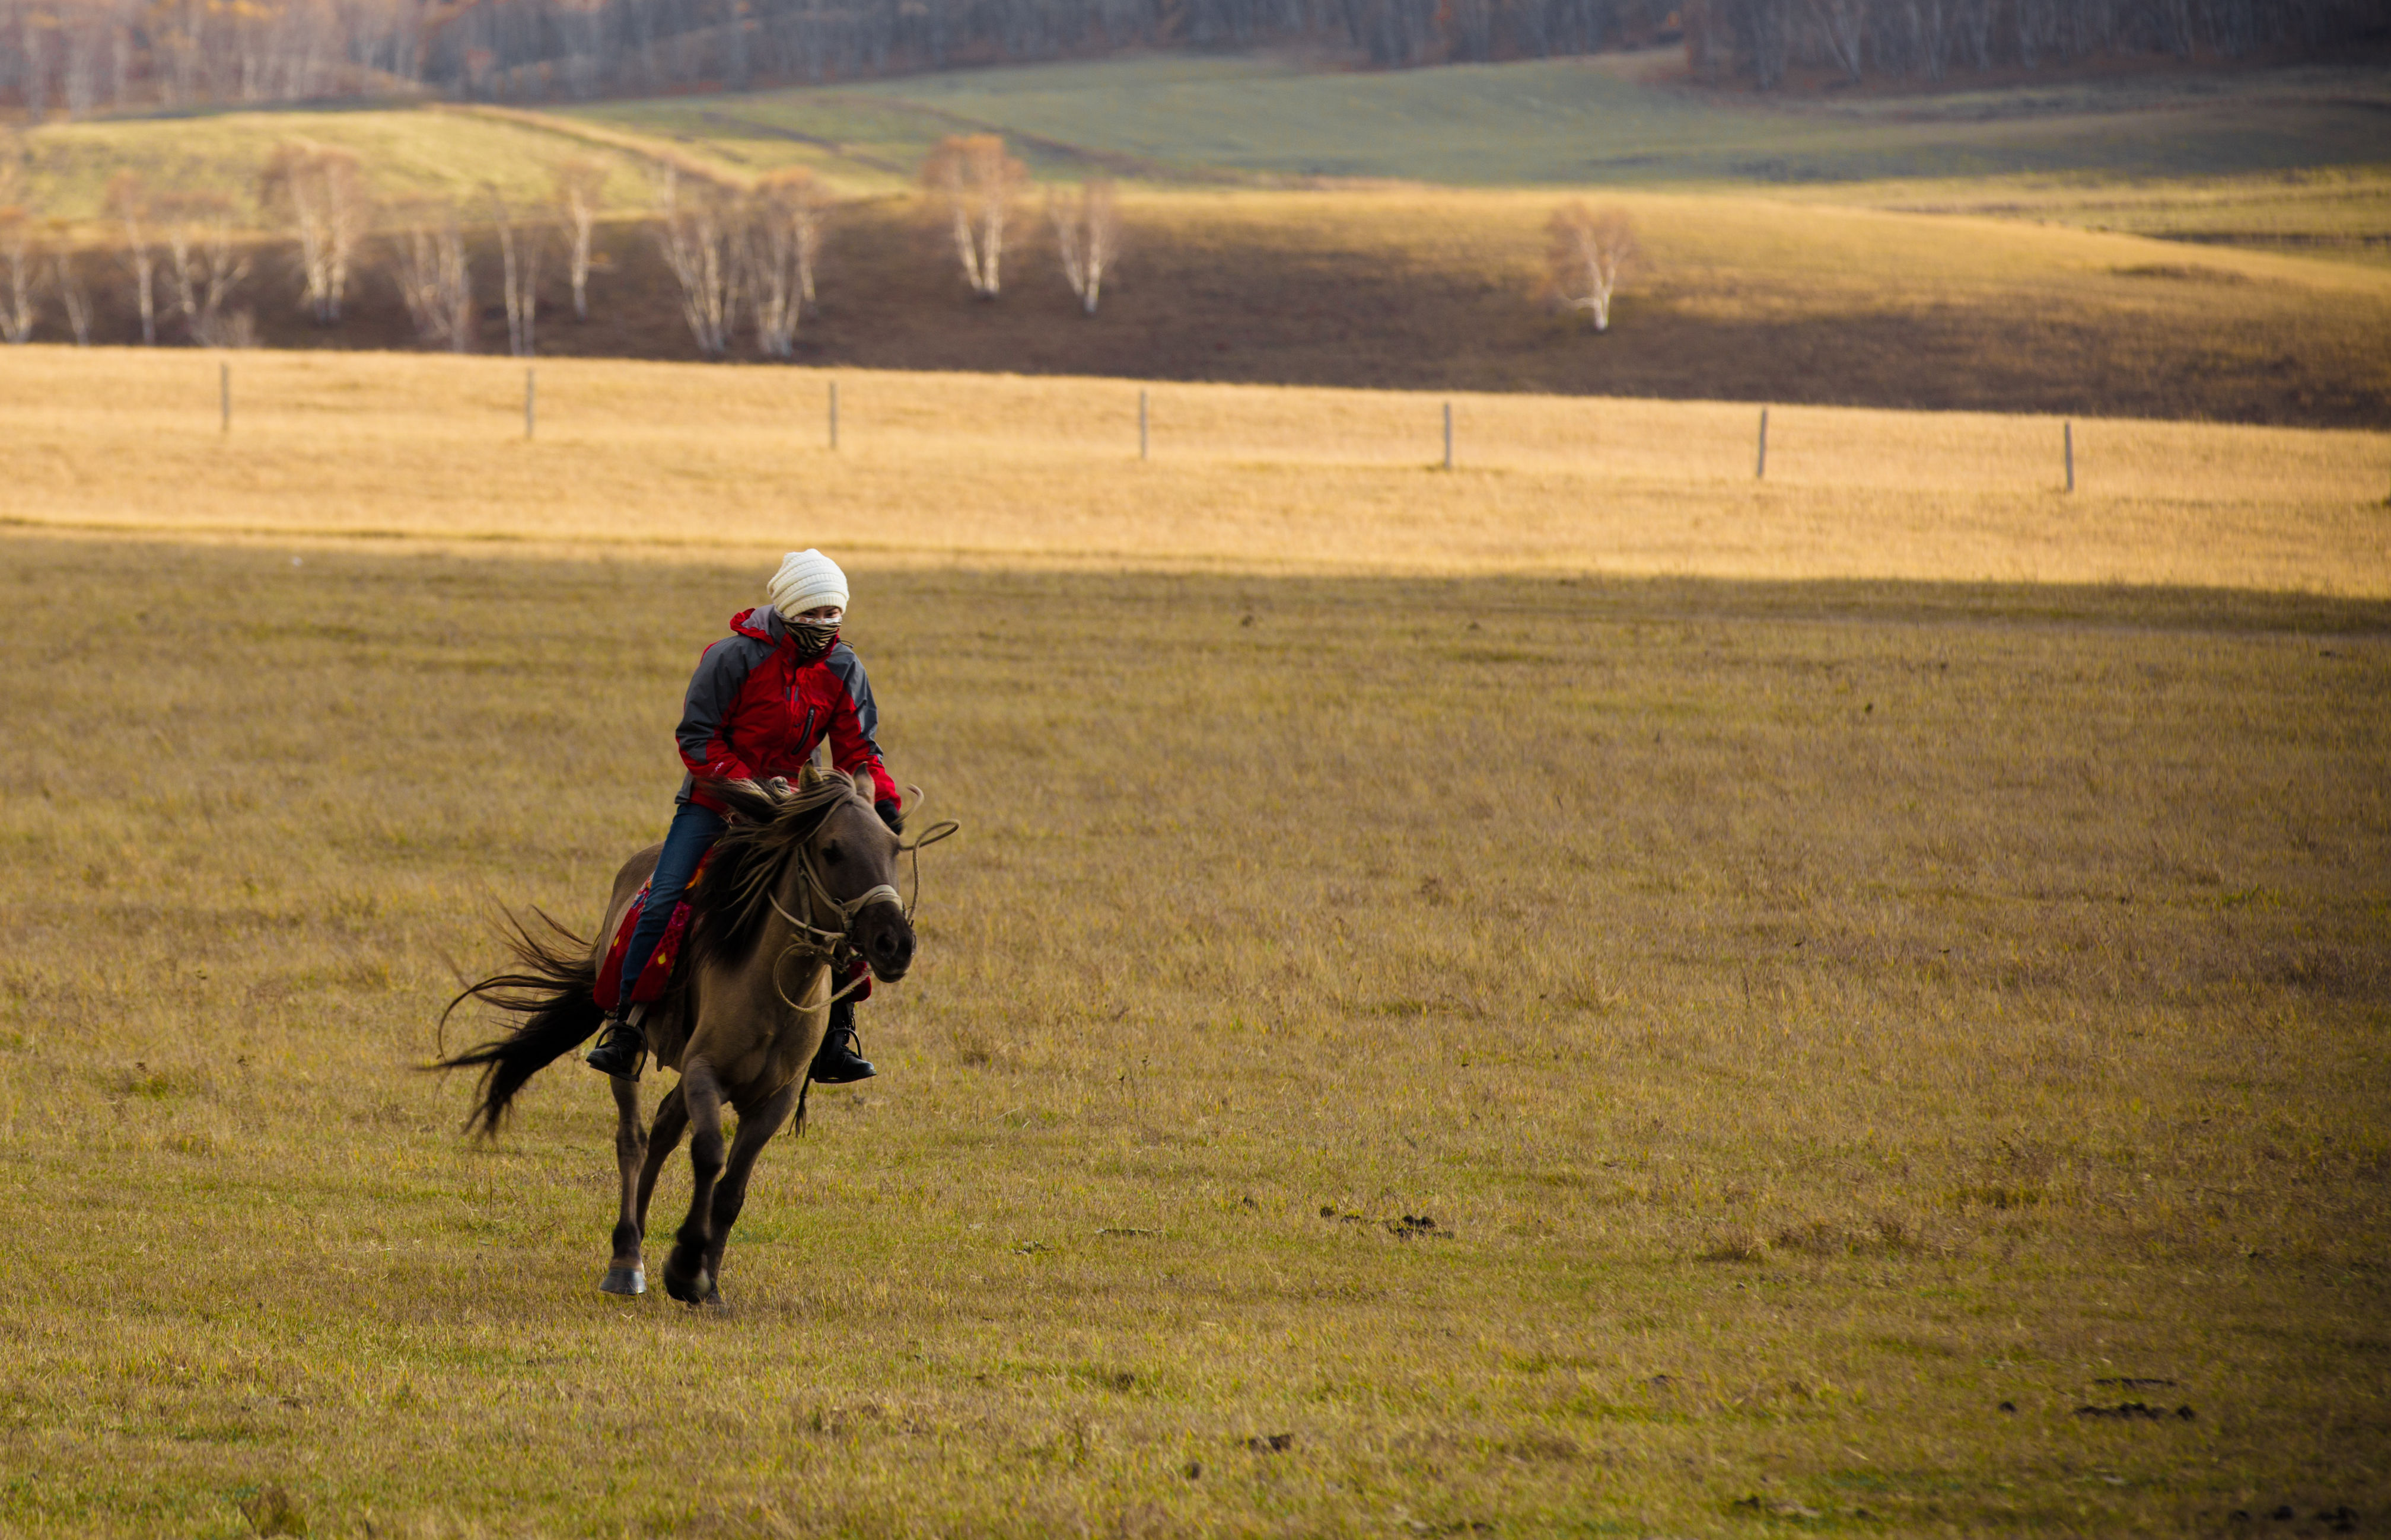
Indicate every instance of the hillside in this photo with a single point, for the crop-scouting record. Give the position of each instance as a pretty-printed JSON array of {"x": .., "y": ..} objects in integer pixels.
[{"x": 1858, "y": 265}]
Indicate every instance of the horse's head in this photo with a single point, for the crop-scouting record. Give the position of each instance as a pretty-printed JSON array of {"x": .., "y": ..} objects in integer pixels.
[{"x": 855, "y": 854}]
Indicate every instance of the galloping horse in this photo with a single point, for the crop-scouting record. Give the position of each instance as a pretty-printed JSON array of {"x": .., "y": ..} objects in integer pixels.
[{"x": 802, "y": 878}]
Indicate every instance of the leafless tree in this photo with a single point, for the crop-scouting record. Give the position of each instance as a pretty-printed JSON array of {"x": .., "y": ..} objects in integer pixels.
[
  {"x": 1087, "y": 236},
  {"x": 519, "y": 253},
  {"x": 321, "y": 192},
  {"x": 435, "y": 281},
  {"x": 580, "y": 192},
  {"x": 21, "y": 253},
  {"x": 68, "y": 279},
  {"x": 699, "y": 229},
  {"x": 975, "y": 183},
  {"x": 783, "y": 232},
  {"x": 208, "y": 264},
  {"x": 1586, "y": 255},
  {"x": 128, "y": 204}
]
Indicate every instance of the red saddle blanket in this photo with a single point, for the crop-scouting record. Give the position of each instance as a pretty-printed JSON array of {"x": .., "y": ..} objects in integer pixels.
[
  {"x": 654, "y": 978},
  {"x": 658, "y": 974}
]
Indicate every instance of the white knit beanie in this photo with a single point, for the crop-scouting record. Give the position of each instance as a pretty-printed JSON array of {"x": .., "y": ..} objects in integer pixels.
[{"x": 807, "y": 580}]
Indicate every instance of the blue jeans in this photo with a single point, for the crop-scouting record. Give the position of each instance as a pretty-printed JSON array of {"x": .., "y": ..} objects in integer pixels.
[{"x": 694, "y": 831}]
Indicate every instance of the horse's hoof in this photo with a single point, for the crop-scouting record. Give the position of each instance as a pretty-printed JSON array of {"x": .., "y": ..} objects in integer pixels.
[
  {"x": 624, "y": 1280},
  {"x": 690, "y": 1290}
]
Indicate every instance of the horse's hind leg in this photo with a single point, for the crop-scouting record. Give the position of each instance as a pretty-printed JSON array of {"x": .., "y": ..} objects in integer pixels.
[
  {"x": 755, "y": 1131},
  {"x": 686, "y": 1277},
  {"x": 624, "y": 1273}
]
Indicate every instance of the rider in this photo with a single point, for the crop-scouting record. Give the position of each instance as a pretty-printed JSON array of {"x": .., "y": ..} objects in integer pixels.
[{"x": 760, "y": 702}]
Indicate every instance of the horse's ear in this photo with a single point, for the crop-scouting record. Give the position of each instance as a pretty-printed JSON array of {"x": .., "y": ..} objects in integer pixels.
[
  {"x": 863, "y": 788},
  {"x": 810, "y": 776}
]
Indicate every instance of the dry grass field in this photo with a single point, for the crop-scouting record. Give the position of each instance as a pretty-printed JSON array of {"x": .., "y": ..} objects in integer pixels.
[
  {"x": 1868, "y": 974},
  {"x": 637, "y": 458},
  {"x": 1844, "y": 1034}
]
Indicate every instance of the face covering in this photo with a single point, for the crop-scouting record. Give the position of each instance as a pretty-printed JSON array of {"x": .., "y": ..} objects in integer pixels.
[{"x": 812, "y": 636}]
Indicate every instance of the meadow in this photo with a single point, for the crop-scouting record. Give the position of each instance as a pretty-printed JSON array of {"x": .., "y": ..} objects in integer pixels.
[
  {"x": 634, "y": 459},
  {"x": 1430, "y": 1056},
  {"x": 1570, "y": 996}
]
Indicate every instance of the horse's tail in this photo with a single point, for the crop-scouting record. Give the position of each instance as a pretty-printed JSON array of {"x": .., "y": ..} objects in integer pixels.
[{"x": 554, "y": 992}]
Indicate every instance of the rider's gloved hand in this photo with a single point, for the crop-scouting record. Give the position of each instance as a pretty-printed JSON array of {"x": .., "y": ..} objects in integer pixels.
[{"x": 891, "y": 815}]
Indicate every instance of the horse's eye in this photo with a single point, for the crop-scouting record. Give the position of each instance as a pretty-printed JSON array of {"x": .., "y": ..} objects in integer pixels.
[{"x": 830, "y": 853}]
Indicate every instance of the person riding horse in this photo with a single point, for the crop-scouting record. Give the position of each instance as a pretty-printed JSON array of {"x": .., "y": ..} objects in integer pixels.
[{"x": 762, "y": 700}]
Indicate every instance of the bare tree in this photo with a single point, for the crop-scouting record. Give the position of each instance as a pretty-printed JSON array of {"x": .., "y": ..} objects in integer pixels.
[
  {"x": 1587, "y": 254},
  {"x": 68, "y": 279},
  {"x": 519, "y": 253},
  {"x": 207, "y": 265},
  {"x": 699, "y": 230},
  {"x": 975, "y": 182},
  {"x": 128, "y": 204},
  {"x": 435, "y": 281},
  {"x": 785, "y": 231},
  {"x": 580, "y": 188},
  {"x": 21, "y": 254},
  {"x": 1087, "y": 236},
  {"x": 321, "y": 192}
]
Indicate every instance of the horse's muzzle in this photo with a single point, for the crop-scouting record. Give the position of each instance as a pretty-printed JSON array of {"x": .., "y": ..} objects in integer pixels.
[{"x": 886, "y": 938}]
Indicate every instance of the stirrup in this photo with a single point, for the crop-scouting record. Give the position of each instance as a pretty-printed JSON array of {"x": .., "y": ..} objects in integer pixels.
[{"x": 607, "y": 1056}]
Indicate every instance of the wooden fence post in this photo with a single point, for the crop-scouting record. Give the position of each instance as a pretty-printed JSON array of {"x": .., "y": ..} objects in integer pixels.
[
  {"x": 224, "y": 396},
  {"x": 531, "y": 400},
  {"x": 833, "y": 414},
  {"x": 1448, "y": 435},
  {"x": 2067, "y": 439},
  {"x": 1760, "y": 467},
  {"x": 1141, "y": 426}
]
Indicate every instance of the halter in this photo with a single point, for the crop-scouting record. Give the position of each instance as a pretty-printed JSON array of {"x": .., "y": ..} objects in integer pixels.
[{"x": 819, "y": 943}]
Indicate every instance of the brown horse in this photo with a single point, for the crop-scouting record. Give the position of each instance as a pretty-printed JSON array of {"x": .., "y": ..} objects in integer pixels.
[{"x": 802, "y": 878}]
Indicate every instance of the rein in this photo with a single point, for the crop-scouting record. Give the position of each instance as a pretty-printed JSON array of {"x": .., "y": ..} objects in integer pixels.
[{"x": 821, "y": 943}]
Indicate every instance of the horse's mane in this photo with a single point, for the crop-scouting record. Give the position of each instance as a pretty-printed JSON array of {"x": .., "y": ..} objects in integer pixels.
[{"x": 728, "y": 906}]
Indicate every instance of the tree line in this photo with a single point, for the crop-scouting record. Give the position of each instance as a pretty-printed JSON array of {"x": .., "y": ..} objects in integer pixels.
[
  {"x": 85, "y": 56},
  {"x": 742, "y": 257}
]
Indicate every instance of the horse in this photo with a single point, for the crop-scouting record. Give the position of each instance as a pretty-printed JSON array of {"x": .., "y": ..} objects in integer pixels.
[{"x": 803, "y": 876}]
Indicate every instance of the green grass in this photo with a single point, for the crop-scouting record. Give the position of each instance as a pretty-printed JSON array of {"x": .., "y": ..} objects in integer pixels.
[
  {"x": 408, "y": 152},
  {"x": 1568, "y": 122},
  {"x": 1812, "y": 1015}
]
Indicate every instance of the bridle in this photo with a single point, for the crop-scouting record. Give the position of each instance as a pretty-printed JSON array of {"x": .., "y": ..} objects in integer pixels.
[{"x": 818, "y": 942}]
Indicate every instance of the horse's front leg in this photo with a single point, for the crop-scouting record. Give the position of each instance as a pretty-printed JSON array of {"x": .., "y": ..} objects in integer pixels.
[
  {"x": 664, "y": 1137},
  {"x": 686, "y": 1277},
  {"x": 755, "y": 1130},
  {"x": 624, "y": 1273}
]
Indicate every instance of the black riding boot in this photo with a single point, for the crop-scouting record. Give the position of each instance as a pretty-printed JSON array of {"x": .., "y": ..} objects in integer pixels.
[
  {"x": 838, "y": 1063},
  {"x": 622, "y": 1048}
]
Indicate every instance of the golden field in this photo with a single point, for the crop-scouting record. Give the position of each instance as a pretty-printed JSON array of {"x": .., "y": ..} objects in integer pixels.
[
  {"x": 638, "y": 459},
  {"x": 1840, "y": 1030}
]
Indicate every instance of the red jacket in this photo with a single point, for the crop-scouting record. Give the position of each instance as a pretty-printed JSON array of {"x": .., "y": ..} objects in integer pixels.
[{"x": 756, "y": 710}]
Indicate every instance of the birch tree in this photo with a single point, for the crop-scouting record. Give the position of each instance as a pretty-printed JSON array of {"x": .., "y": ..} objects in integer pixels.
[
  {"x": 435, "y": 281},
  {"x": 975, "y": 182},
  {"x": 698, "y": 228},
  {"x": 67, "y": 279},
  {"x": 1586, "y": 255},
  {"x": 206, "y": 263},
  {"x": 580, "y": 189},
  {"x": 519, "y": 253},
  {"x": 128, "y": 204},
  {"x": 20, "y": 255},
  {"x": 320, "y": 193},
  {"x": 1087, "y": 236}
]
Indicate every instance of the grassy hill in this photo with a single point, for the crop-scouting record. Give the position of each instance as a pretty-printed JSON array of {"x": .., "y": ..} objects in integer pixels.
[
  {"x": 1784, "y": 265},
  {"x": 1570, "y": 121}
]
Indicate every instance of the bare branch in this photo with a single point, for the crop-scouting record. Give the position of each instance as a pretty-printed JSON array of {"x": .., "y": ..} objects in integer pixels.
[
  {"x": 1087, "y": 237},
  {"x": 1587, "y": 255}
]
